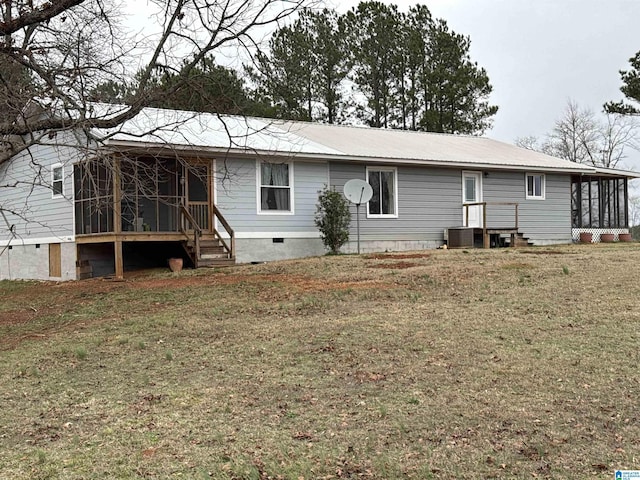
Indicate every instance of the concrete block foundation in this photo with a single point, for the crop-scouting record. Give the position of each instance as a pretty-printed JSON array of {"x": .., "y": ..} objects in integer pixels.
[{"x": 31, "y": 262}]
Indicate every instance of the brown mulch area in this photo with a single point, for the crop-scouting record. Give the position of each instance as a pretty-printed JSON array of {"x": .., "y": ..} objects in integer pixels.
[
  {"x": 396, "y": 256},
  {"x": 394, "y": 266}
]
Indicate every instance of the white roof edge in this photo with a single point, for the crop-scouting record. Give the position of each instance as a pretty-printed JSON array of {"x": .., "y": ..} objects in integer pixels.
[
  {"x": 578, "y": 169},
  {"x": 617, "y": 172}
]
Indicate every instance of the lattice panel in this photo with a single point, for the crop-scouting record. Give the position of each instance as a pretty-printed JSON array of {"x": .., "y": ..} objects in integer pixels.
[{"x": 596, "y": 232}]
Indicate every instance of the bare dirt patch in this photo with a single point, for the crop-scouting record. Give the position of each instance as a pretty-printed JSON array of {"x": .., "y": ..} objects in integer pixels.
[
  {"x": 16, "y": 317},
  {"x": 547, "y": 252}
]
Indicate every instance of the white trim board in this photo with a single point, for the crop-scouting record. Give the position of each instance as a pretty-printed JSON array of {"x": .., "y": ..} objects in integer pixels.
[
  {"x": 17, "y": 241},
  {"x": 268, "y": 235}
]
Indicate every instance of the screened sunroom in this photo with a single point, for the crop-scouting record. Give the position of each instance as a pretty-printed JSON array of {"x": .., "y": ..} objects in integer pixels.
[
  {"x": 138, "y": 211},
  {"x": 600, "y": 204}
]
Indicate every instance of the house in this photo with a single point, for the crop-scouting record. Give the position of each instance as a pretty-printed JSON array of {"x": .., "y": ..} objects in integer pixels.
[{"x": 223, "y": 189}]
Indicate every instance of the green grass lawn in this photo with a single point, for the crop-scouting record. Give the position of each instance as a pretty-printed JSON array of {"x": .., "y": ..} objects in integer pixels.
[{"x": 509, "y": 363}]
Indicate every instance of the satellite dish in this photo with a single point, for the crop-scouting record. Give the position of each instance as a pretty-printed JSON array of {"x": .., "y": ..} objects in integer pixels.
[{"x": 358, "y": 191}]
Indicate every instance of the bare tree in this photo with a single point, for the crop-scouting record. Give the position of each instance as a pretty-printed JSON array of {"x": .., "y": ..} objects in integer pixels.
[
  {"x": 617, "y": 135},
  {"x": 634, "y": 210},
  {"x": 531, "y": 142},
  {"x": 53, "y": 53},
  {"x": 581, "y": 137}
]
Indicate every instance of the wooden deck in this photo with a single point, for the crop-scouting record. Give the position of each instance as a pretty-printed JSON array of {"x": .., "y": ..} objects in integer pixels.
[
  {"x": 205, "y": 247},
  {"x": 517, "y": 238}
]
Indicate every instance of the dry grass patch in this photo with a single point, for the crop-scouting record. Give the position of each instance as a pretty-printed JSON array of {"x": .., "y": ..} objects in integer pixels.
[{"x": 484, "y": 364}]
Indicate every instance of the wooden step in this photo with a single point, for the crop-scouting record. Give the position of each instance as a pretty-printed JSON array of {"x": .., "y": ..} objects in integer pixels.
[
  {"x": 212, "y": 253},
  {"x": 212, "y": 250},
  {"x": 216, "y": 262},
  {"x": 520, "y": 241},
  {"x": 204, "y": 243}
]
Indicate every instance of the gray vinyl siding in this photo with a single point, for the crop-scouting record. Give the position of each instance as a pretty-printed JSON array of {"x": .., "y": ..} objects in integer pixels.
[
  {"x": 547, "y": 220},
  {"x": 236, "y": 194},
  {"x": 26, "y": 195},
  {"x": 429, "y": 201}
]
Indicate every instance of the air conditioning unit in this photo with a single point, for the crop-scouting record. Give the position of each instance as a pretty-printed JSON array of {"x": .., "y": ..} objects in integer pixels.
[{"x": 460, "y": 237}]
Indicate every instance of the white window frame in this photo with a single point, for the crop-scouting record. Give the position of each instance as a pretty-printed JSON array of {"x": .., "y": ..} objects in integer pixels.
[
  {"x": 543, "y": 186},
  {"x": 395, "y": 192},
  {"x": 259, "y": 190},
  {"x": 55, "y": 167}
]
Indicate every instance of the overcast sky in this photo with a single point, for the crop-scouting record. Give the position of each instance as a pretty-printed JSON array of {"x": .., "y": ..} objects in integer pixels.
[{"x": 540, "y": 53}]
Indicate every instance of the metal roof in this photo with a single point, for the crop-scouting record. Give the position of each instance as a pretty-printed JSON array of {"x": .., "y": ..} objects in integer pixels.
[{"x": 210, "y": 133}]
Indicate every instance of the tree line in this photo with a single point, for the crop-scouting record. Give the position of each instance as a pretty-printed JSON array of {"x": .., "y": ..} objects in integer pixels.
[{"x": 373, "y": 65}]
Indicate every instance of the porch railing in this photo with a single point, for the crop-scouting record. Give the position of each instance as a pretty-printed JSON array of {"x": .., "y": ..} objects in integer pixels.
[
  {"x": 484, "y": 206},
  {"x": 190, "y": 222},
  {"x": 231, "y": 246},
  {"x": 200, "y": 213},
  {"x": 186, "y": 221},
  {"x": 487, "y": 230}
]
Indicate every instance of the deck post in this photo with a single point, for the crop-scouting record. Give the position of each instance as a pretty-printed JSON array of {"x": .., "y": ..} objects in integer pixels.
[
  {"x": 117, "y": 197},
  {"x": 484, "y": 215},
  {"x": 117, "y": 219},
  {"x": 117, "y": 249},
  {"x": 486, "y": 237}
]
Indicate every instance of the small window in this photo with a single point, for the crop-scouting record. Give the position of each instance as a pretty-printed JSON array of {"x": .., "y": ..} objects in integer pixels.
[
  {"x": 384, "y": 202},
  {"x": 535, "y": 186},
  {"x": 57, "y": 181},
  {"x": 275, "y": 191}
]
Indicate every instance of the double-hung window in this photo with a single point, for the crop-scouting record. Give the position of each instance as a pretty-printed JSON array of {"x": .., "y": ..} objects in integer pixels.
[
  {"x": 535, "y": 185},
  {"x": 384, "y": 182},
  {"x": 57, "y": 181},
  {"x": 275, "y": 187}
]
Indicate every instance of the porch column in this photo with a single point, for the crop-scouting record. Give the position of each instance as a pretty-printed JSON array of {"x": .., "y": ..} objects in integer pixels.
[
  {"x": 117, "y": 219},
  {"x": 117, "y": 197},
  {"x": 117, "y": 250}
]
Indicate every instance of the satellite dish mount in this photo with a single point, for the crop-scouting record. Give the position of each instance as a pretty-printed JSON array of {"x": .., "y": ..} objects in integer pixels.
[{"x": 358, "y": 192}]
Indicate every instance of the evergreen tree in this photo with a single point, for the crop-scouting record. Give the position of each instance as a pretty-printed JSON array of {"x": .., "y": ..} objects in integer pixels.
[
  {"x": 304, "y": 69},
  {"x": 207, "y": 87},
  {"x": 456, "y": 90},
  {"x": 332, "y": 61},
  {"x": 285, "y": 74},
  {"x": 374, "y": 37},
  {"x": 630, "y": 89},
  {"x": 417, "y": 30}
]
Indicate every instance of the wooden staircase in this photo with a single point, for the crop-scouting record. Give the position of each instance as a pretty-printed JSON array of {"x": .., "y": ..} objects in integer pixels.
[
  {"x": 207, "y": 249},
  {"x": 213, "y": 252},
  {"x": 519, "y": 240},
  {"x": 493, "y": 237}
]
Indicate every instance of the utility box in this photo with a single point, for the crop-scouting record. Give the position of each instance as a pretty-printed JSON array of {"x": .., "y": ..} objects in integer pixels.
[{"x": 460, "y": 237}]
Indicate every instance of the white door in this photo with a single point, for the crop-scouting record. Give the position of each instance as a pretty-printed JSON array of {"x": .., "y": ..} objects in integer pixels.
[{"x": 472, "y": 193}]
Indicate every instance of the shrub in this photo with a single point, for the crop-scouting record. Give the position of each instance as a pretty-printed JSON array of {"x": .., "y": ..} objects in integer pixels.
[{"x": 332, "y": 219}]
